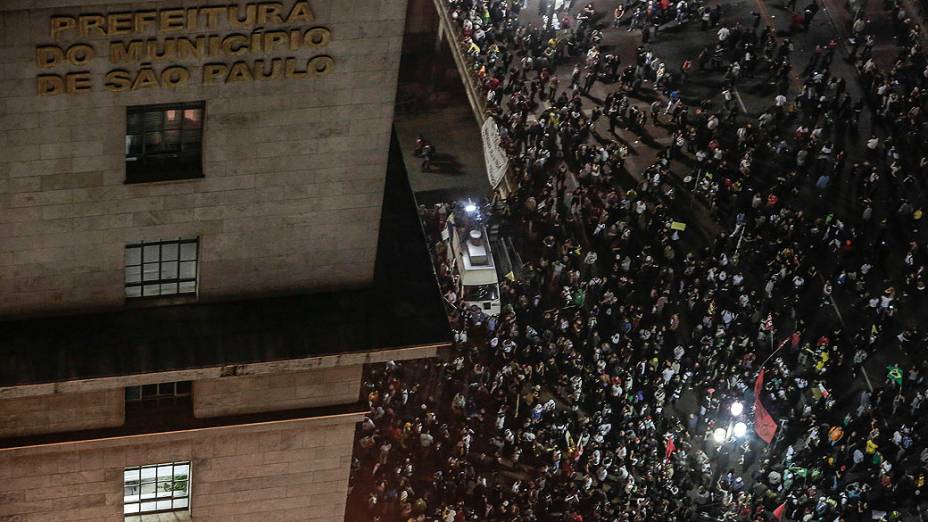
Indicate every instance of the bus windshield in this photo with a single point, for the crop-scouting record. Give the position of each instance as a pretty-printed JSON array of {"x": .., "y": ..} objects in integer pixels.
[{"x": 481, "y": 292}]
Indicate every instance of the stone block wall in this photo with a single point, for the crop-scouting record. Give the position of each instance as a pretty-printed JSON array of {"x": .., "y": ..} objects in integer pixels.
[
  {"x": 62, "y": 412},
  {"x": 261, "y": 393},
  {"x": 293, "y": 168},
  {"x": 282, "y": 471}
]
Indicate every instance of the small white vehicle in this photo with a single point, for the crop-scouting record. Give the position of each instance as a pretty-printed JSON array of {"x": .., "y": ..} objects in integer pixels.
[{"x": 471, "y": 256}]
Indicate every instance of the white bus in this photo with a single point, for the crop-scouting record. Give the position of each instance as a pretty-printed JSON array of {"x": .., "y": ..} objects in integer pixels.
[{"x": 474, "y": 265}]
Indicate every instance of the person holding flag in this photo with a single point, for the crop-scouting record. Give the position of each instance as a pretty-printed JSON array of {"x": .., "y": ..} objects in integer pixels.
[
  {"x": 894, "y": 375},
  {"x": 779, "y": 511}
]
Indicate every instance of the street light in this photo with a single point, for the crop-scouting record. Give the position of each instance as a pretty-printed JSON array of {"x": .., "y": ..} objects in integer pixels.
[
  {"x": 719, "y": 435},
  {"x": 736, "y": 408},
  {"x": 740, "y": 429}
]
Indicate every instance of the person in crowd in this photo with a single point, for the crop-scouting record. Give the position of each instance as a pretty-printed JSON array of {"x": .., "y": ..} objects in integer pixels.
[{"x": 628, "y": 350}]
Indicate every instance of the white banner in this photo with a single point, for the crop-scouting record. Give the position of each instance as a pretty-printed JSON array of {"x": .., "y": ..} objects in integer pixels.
[{"x": 495, "y": 157}]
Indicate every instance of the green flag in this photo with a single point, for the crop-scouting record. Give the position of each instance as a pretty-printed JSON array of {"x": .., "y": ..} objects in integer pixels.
[
  {"x": 894, "y": 373},
  {"x": 579, "y": 296}
]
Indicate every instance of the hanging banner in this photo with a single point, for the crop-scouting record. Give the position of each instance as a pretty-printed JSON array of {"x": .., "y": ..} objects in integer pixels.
[{"x": 493, "y": 154}]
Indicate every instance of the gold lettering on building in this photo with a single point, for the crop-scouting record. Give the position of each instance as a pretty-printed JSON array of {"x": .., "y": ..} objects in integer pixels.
[
  {"x": 154, "y": 40},
  {"x": 269, "y": 13},
  {"x": 144, "y": 79},
  {"x": 317, "y": 37},
  {"x": 49, "y": 84},
  {"x": 195, "y": 19},
  {"x": 274, "y": 69},
  {"x": 262, "y": 72},
  {"x": 118, "y": 80},
  {"x": 235, "y": 45},
  {"x": 172, "y": 21},
  {"x": 239, "y": 18},
  {"x": 118, "y": 24},
  {"x": 174, "y": 77},
  {"x": 239, "y": 72},
  {"x": 78, "y": 82},
  {"x": 71, "y": 83},
  {"x": 127, "y": 51},
  {"x": 300, "y": 13},
  {"x": 212, "y": 72},
  {"x": 80, "y": 54},
  {"x": 61, "y": 24},
  {"x": 144, "y": 21},
  {"x": 320, "y": 66},
  {"x": 229, "y": 46},
  {"x": 49, "y": 56},
  {"x": 93, "y": 25}
]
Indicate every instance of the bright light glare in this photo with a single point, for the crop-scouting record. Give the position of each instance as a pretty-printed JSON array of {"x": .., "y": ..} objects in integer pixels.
[
  {"x": 736, "y": 408},
  {"x": 719, "y": 435},
  {"x": 470, "y": 208},
  {"x": 740, "y": 429}
]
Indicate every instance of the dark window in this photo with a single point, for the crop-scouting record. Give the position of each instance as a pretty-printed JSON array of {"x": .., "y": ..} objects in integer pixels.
[
  {"x": 160, "y": 405},
  {"x": 156, "y": 489},
  {"x": 164, "y": 142},
  {"x": 159, "y": 395},
  {"x": 161, "y": 268}
]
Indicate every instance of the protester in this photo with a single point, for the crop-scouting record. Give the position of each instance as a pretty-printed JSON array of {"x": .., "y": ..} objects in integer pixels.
[{"x": 606, "y": 388}]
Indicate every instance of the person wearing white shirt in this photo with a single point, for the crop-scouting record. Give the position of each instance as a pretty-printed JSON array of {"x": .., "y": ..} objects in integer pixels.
[{"x": 723, "y": 34}]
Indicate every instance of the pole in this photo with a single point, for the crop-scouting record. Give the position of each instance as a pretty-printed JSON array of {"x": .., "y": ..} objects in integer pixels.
[
  {"x": 741, "y": 227},
  {"x": 782, "y": 344},
  {"x": 695, "y": 189}
]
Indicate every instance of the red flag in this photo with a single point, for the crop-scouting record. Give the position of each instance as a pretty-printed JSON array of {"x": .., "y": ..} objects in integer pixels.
[
  {"x": 764, "y": 424},
  {"x": 779, "y": 511},
  {"x": 671, "y": 447}
]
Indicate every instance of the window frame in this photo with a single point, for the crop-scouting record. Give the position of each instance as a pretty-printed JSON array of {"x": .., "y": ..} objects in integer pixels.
[
  {"x": 147, "y": 167},
  {"x": 161, "y": 281},
  {"x": 173, "y": 498},
  {"x": 143, "y": 396}
]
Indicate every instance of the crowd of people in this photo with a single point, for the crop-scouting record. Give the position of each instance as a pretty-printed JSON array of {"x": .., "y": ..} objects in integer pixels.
[{"x": 629, "y": 346}]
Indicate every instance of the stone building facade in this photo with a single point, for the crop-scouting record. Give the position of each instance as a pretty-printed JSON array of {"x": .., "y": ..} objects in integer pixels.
[
  {"x": 204, "y": 240},
  {"x": 292, "y": 167},
  {"x": 292, "y": 464}
]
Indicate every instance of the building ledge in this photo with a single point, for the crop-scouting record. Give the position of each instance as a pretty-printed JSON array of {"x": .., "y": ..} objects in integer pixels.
[
  {"x": 402, "y": 309},
  {"x": 179, "y": 427}
]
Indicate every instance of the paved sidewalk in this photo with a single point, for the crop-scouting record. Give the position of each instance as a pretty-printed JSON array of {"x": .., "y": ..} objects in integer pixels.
[{"x": 457, "y": 169}]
